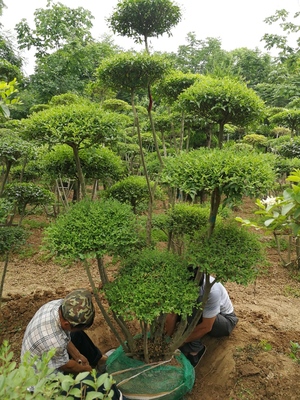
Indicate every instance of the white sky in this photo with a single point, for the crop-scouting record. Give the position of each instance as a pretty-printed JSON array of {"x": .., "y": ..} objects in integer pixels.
[{"x": 237, "y": 23}]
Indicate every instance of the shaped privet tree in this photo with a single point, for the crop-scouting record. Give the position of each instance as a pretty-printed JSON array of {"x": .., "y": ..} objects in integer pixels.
[
  {"x": 222, "y": 101},
  {"x": 76, "y": 125},
  {"x": 131, "y": 72},
  {"x": 225, "y": 175},
  {"x": 149, "y": 282},
  {"x": 142, "y": 19}
]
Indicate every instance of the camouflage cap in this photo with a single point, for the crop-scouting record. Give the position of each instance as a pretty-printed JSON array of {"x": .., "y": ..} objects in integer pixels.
[{"x": 77, "y": 307}]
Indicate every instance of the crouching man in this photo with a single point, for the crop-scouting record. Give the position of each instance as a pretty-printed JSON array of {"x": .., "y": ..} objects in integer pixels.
[{"x": 60, "y": 324}]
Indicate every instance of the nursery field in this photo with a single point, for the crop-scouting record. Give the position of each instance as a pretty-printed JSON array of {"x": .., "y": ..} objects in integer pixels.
[{"x": 253, "y": 363}]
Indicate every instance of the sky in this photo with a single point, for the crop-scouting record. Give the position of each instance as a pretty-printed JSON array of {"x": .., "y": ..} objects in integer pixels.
[{"x": 236, "y": 23}]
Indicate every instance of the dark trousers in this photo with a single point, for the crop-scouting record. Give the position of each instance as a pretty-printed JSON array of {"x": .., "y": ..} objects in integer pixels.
[
  {"x": 86, "y": 347},
  {"x": 223, "y": 326}
]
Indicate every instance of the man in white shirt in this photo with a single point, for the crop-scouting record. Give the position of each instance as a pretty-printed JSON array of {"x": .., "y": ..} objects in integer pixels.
[{"x": 218, "y": 319}]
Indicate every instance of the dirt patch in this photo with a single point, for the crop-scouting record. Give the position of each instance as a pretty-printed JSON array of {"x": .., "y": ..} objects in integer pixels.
[{"x": 253, "y": 363}]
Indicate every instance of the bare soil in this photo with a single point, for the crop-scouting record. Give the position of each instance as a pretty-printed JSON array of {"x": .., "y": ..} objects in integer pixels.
[{"x": 253, "y": 363}]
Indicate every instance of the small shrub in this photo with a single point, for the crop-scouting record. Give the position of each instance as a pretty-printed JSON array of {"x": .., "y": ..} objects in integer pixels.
[
  {"x": 232, "y": 252},
  {"x": 133, "y": 190},
  {"x": 35, "y": 376}
]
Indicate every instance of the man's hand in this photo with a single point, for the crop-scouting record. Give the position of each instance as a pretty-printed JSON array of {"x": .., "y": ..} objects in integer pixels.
[{"x": 82, "y": 360}]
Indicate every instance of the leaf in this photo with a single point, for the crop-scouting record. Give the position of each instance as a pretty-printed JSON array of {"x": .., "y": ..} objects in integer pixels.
[
  {"x": 268, "y": 222},
  {"x": 286, "y": 208}
]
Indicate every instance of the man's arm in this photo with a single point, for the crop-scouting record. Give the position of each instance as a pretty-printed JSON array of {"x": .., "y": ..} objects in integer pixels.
[
  {"x": 171, "y": 320},
  {"x": 202, "y": 329},
  {"x": 78, "y": 363}
]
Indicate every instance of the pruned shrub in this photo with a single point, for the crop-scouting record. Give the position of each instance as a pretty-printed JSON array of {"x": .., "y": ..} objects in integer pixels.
[
  {"x": 133, "y": 190},
  {"x": 232, "y": 253}
]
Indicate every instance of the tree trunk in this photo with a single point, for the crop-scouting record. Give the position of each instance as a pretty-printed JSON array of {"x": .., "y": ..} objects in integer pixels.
[
  {"x": 5, "y": 178},
  {"x": 79, "y": 169},
  {"x": 221, "y": 135},
  {"x": 151, "y": 199},
  {"x": 214, "y": 207}
]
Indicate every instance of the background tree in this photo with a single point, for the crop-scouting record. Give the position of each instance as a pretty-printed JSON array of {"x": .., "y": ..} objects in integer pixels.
[
  {"x": 252, "y": 65},
  {"x": 55, "y": 26},
  {"x": 200, "y": 56},
  {"x": 69, "y": 69},
  {"x": 289, "y": 119},
  {"x": 281, "y": 42}
]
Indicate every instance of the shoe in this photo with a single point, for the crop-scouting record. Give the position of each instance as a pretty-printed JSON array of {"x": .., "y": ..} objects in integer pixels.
[
  {"x": 195, "y": 359},
  {"x": 101, "y": 365}
]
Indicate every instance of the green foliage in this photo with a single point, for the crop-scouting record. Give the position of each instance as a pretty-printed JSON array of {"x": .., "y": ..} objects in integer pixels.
[
  {"x": 55, "y": 26},
  {"x": 231, "y": 254},
  {"x": 161, "y": 285},
  {"x": 252, "y": 65},
  {"x": 58, "y": 162},
  {"x": 295, "y": 351},
  {"x": 255, "y": 139},
  {"x": 75, "y": 124},
  {"x": 281, "y": 42},
  {"x": 70, "y": 69},
  {"x": 281, "y": 216},
  {"x": 174, "y": 84},
  {"x": 291, "y": 149},
  {"x": 8, "y": 97},
  {"x": 236, "y": 174},
  {"x": 289, "y": 119},
  {"x": 97, "y": 163},
  {"x": 66, "y": 99},
  {"x": 201, "y": 56},
  {"x": 129, "y": 72},
  {"x": 16, "y": 382},
  {"x": 116, "y": 105},
  {"x": 38, "y": 108},
  {"x": 11, "y": 238},
  {"x": 265, "y": 345},
  {"x": 92, "y": 229},
  {"x": 23, "y": 194},
  {"x": 280, "y": 131},
  {"x": 222, "y": 101},
  {"x": 12, "y": 146},
  {"x": 186, "y": 218},
  {"x": 102, "y": 163},
  {"x": 142, "y": 19},
  {"x": 285, "y": 166},
  {"x": 6, "y": 209},
  {"x": 133, "y": 190}
]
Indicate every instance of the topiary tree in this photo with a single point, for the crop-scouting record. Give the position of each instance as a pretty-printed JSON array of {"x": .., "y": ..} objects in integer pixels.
[
  {"x": 180, "y": 221},
  {"x": 224, "y": 175},
  {"x": 132, "y": 72},
  {"x": 289, "y": 119},
  {"x": 132, "y": 190},
  {"x": 222, "y": 101},
  {"x": 90, "y": 230},
  {"x": 76, "y": 125},
  {"x": 12, "y": 148},
  {"x": 255, "y": 140},
  {"x": 142, "y": 19},
  {"x": 169, "y": 89},
  {"x": 23, "y": 194}
]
